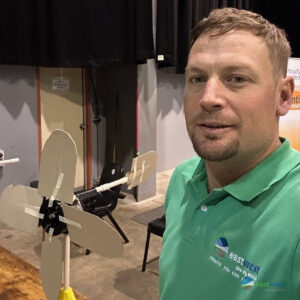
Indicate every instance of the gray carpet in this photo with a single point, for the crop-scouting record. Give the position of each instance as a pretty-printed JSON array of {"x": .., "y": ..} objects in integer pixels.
[{"x": 148, "y": 216}]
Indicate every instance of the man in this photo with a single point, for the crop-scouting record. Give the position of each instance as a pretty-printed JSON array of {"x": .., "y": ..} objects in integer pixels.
[{"x": 233, "y": 213}]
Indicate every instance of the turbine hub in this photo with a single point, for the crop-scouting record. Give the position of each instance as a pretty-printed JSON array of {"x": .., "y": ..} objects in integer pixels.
[{"x": 51, "y": 217}]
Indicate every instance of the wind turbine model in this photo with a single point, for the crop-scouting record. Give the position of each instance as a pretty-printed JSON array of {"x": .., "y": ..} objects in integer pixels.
[
  {"x": 141, "y": 168},
  {"x": 51, "y": 206}
]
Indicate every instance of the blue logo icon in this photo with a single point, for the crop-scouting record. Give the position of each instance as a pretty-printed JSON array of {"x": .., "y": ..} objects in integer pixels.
[
  {"x": 221, "y": 247},
  {"x": 247, "y": 283}
]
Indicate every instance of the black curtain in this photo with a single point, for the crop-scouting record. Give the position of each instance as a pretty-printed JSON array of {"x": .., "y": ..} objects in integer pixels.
[
  {"x": 76, "y": 33},
  {"x": 176, "y": 18},
  {"x": 283, "y": 14}
]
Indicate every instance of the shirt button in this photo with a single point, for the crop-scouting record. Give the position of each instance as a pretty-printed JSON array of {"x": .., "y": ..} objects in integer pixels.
[{"x": 203, "y": 207}]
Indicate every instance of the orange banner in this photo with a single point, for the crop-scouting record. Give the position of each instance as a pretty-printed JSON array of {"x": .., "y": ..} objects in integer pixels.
[{"x": 296, "y": 101}]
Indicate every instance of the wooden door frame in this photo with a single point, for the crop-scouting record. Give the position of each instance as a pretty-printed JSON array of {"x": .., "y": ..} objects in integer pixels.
[
  {"x": 87, "y": 143},
  {"x": 88, "y": 130}
]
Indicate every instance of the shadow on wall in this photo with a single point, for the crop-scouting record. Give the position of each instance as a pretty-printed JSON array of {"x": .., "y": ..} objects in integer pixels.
[
  {"x": 18, "y": 124},
  {"x": 116, "y": 90},
  {"x": 17, "y": 86},
  {"x": 147, "y": 80},
  {"x": 170, "y": 91}
]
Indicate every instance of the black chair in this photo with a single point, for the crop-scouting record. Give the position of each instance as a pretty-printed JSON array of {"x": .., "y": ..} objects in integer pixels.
[
  {"x": 34, "y": 184},
  {"x": 157, "y": 227},
  {"x": 105, "y": 202}
]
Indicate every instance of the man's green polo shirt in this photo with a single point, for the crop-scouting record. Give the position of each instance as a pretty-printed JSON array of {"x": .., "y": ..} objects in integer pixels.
[{"x": 238, "y": 242}]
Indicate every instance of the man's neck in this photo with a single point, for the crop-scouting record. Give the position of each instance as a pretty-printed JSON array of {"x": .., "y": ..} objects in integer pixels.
[{"x": 222, "y": 173}]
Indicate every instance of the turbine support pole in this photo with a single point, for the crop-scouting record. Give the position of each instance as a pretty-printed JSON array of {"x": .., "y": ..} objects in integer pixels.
[
  {"x": 66, "y": 293},
  {"x": 67, "y": 262}
]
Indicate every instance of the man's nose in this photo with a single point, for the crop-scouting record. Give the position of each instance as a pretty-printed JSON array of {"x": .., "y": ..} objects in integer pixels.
[{"x": 211, "y": 98}]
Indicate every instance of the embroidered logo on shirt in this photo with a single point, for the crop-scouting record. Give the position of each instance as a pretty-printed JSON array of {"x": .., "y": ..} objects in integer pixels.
[
  {"x": 243, "y": 269},
  {"x": 222, "y": 247},
  {"x": 247, "y": 283}
]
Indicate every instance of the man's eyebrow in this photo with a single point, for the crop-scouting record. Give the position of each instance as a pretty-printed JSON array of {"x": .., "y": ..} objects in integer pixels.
[
  {"x": 241, "y": 67},
  {"x": 229, "y": 68},
  {"x": 194, "y": 69}
]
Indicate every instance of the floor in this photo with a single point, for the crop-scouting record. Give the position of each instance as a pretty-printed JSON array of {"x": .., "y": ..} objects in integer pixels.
[{"x": 98, "y": 277}]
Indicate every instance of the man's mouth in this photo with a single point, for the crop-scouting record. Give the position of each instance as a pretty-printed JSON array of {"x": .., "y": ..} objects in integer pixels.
[{"x": 214, "y": 127}]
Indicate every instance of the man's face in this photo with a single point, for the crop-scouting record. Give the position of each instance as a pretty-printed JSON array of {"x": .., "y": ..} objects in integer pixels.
[{"x": 231, "y": 97}]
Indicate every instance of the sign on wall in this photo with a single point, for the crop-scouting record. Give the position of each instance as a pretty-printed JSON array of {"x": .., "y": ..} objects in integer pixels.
[
  {"x": 60, "y": 83},
  {"x": 290, "y": 123}
]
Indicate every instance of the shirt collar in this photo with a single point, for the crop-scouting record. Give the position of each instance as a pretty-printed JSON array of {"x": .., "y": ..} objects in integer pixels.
[{"x": 272, "y": 169}]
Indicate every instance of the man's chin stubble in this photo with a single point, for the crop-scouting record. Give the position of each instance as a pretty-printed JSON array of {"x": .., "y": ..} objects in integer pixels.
[{"x": 214, "y": 154}]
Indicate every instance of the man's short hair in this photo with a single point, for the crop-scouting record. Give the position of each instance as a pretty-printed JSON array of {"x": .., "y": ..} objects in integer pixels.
[{"x": 221, "y": 21}]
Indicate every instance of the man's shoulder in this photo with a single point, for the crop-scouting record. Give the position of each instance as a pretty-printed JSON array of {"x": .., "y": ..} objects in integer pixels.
[
  {"x": 188, "y": 167},
  {"x": 182, "y": 174}
]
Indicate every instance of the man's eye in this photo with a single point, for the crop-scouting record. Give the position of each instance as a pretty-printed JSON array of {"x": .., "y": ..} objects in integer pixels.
[
  {"x": 197, "y": 80},
  {"x": 237, "y": 79}
]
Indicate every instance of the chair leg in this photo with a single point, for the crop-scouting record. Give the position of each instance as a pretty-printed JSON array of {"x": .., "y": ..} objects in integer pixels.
[
  {"x": 117, "y": 227},
  {"x": 146, "y": 251}
]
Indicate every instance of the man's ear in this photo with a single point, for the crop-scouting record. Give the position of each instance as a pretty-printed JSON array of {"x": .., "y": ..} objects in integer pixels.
[{"x": 285, "y": 96}]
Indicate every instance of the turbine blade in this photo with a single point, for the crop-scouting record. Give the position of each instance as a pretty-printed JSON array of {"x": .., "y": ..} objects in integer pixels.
[
  {"x": 58, "y": 161},
  {"x": 94, "y": 234},
  {"x": 142, "y": 167},
  {"x": 19, "y": 208},
  {"x": 51, "y": 267}
]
